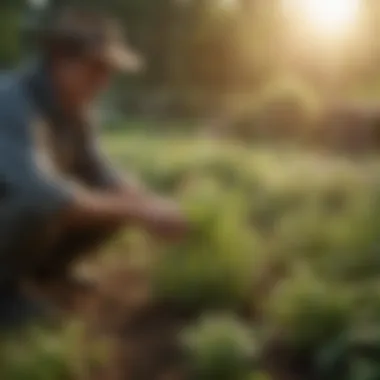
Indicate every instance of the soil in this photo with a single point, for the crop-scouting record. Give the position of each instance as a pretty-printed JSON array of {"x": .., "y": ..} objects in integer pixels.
[{"x": 144, "y": 336}]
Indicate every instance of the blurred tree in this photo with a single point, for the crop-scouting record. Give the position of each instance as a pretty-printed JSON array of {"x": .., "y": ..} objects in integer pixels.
[
  {"x": 10, "y": 16},
  {"x": 204, "y": 52}
]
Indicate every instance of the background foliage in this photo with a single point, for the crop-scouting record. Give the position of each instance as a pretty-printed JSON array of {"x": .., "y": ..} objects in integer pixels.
[{"x": 210, "y": 56}]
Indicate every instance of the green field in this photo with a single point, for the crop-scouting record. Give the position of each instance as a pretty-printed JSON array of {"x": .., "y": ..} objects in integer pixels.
[{"x": 278, "y": 279}]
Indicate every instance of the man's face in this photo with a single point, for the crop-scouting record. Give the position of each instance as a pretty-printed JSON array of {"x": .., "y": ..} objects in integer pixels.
[{"x": 82, "y": 80}]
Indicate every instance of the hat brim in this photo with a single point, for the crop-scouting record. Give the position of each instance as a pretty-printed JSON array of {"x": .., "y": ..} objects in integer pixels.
[{"x": 123, "y": 59}]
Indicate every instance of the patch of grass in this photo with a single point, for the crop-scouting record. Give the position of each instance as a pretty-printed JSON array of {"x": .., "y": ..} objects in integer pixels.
[{"x": 44, "y": 354}]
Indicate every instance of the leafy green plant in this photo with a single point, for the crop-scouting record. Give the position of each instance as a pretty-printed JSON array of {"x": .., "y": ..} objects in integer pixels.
[
  {"x": 214, "y": 266},
  {"x": 307, "y": 310},
  {"x": 41, "y": 354},
  {"x": 221, "y": 348}
]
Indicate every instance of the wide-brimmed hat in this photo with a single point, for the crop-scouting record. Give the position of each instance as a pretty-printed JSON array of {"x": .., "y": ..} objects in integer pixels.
[{"x": 94, "y": 35}]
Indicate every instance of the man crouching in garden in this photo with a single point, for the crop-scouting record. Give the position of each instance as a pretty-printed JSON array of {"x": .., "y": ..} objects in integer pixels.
[{"x": 59, "y": 198}]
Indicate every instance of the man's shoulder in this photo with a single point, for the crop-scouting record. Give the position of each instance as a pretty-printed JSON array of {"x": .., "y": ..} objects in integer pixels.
[
  {"x": 12, "y": 92},
  {"x": 15, "y": 108}
]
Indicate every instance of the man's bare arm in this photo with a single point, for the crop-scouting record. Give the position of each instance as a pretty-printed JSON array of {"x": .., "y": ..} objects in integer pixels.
[
  {"x": 159, "y": 217},
  {"x": 99, "y": 209}
]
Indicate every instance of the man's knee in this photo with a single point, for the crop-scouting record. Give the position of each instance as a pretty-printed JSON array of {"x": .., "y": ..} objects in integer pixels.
[
  {"x": 73, "y": 246},
  {"x": 90, "y": 238},
  {"x": 34, "y": 230}
]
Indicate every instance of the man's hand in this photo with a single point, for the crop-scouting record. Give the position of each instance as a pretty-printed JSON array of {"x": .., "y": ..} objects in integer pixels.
[
  {"x": 158, "y": 215},
  {"x": 163, "y": 219}
]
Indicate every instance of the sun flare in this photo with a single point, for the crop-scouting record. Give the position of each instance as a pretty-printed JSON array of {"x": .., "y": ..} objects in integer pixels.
[{"x": 325, "y": 17}]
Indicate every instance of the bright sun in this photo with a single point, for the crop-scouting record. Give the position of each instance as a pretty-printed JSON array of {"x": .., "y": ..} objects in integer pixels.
[{"x": 325, "y": 17}]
